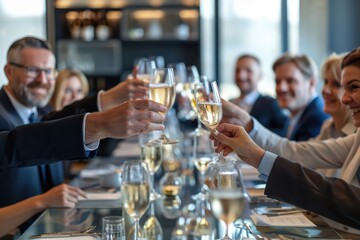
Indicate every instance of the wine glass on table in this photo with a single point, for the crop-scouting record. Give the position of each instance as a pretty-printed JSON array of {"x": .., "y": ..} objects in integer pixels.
[
  {"x": 135, "y": 191},
  {"x": 152, "y": 156},
  {"x": 162, "y": 90},
  {"x": 226, "y": 190},
  {"x": 203, "y": 154}
]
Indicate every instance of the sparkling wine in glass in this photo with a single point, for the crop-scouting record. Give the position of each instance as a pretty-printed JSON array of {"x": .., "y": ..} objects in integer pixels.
[
  {"x": 227, "y": 194},
  {"x": 208, "y": 103},
  {"x": 135, "y": 191},
  {"x": 162, "y": 90},
  {"x": 193, "y": 78},
  {"x": 152, "y": 155}
]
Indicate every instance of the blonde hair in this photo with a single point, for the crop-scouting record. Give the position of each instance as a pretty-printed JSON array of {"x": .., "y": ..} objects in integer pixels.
[
  {"x": 333, "y": 64},
  {"x": 60, "y": 85}
]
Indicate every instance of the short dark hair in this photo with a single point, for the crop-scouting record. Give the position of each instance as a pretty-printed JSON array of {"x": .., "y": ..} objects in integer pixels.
[
  {"x": 352, "y": 58},
  {"x": 26, "y": 42},
  {"x": 304, "y": 63}
]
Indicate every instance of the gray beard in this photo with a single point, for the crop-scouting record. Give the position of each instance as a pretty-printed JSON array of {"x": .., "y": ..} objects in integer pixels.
[{"x": 29, "y": 100}]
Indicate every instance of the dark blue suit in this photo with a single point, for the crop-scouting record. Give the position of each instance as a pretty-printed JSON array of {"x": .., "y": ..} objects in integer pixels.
[
  {"x": 310, "y": 122},
  {"x": 268, "y": 112},
  {"x": 22, "y": 182}
]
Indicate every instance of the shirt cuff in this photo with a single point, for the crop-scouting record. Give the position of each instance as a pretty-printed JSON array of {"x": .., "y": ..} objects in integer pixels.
[
  {"x": 266, "y": 165},
  {"x": 254, "y": 129},
  {"x": 91, "y": 146},
  {"x": 99, "y": 100}
]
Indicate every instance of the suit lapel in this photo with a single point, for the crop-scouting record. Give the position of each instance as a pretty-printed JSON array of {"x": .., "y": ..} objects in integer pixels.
[{"x": 12, "y": 116}]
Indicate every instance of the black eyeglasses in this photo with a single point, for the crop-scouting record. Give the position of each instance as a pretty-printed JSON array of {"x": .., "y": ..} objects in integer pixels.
[{"x": 34, "y": 72}]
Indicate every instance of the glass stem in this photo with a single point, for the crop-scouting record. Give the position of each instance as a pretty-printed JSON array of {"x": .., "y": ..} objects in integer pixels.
[
  {"x": 226, "y": 232},
  {"x": 152, "y": 208},
  {"x": 152, "y": 183},
  {"x": 198, "y": 123},
  {"x": 163, "y": 136},
  {"x": 221, "y": 156},
  {"x": 136, "y": 229},
  {"x": 202, "y": 182},
  {"x": 202, "y": 206}
]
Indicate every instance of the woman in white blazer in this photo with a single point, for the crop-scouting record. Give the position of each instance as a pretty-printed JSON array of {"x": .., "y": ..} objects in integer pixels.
[{"x": 343, "y": 152}]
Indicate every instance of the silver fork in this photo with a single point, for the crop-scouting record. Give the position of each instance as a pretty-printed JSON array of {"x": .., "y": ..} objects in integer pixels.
[{"x": 257, "y": 236}]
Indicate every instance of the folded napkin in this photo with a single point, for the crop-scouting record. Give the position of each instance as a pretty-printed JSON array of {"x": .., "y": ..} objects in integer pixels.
[
  {"x": 290, "y": 220},
  {"x": 101, "y": 196}
]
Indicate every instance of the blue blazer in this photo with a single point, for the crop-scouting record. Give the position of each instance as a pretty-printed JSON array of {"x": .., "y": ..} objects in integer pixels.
[
  {"x": 310, "y": 122},
  {"x": 23, "y": 181},
  {"x": 268, "y": 112}
]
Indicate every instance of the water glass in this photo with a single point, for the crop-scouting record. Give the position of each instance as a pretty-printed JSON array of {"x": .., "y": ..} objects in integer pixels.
[{"x": 113, "y": 228}]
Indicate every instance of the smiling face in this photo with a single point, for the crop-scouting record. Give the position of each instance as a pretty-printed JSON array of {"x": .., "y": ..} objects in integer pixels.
[
  {"x": 31, "y": 91},
  {"x": 247, "y": 75},
  {"x": 350, "y": 80},
  {"x": 293, "y": 89},
  {"x": 332, "y": 93}
]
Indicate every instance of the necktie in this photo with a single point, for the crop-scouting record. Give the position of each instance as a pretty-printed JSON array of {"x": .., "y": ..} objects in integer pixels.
[{"x": 32, "y": 118}]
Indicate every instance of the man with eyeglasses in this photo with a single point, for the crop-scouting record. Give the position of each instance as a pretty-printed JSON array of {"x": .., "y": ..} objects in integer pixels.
[{"x": 31, "y": 74}]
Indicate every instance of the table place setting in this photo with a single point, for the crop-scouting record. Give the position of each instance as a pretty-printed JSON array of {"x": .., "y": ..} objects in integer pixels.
[{"x": 86, "y": 234}]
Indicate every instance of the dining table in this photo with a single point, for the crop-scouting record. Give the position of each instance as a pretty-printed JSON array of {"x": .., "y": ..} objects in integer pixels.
[{"x": 176, "y": 222}]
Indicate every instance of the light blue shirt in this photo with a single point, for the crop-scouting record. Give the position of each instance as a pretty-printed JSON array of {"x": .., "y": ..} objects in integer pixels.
[{"x": 267, "y": 161}]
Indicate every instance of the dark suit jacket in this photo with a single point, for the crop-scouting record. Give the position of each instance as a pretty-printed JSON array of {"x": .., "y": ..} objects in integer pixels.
[
  {"x": 268, "y": 112},
  {"x": 24, "y": 181},
  {"x": 330, "y": 197},
  {"x": 310, "y": 122}
]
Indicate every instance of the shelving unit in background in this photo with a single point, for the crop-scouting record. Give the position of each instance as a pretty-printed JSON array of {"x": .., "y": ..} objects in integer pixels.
[{"x": 170, "y": 29}]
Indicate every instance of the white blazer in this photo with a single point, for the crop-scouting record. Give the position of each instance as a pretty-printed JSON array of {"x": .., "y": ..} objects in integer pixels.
[{"x": 343, "y": 152}]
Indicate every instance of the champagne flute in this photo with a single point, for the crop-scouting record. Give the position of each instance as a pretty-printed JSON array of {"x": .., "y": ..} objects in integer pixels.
[
  {"x": 162, "y": 90},
  {"x": 152, "y": 155},
  {"x": 192, "y": 77},
  {"x": 227, "y": 194},
  {"x": 208, "y": 103},
  {"x": 203, "y": 154},
  {"x": 135, "y": 191},
  {"x": 145, "y": 69}
]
